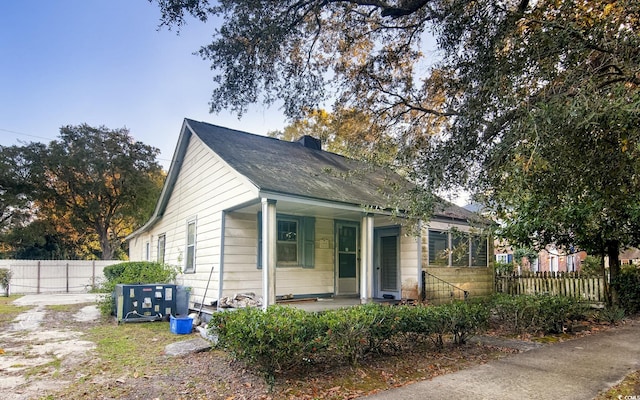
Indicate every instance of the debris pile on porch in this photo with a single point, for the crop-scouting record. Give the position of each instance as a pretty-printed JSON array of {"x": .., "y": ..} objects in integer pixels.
[{"x": 240, "y": 300}]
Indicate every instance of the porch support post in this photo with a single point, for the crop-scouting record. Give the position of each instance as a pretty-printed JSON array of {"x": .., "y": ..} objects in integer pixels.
[
  {"x": 419, "y": 239},
  {"x": 269, "y": 233},
  {"x": 366, "y": 265}
]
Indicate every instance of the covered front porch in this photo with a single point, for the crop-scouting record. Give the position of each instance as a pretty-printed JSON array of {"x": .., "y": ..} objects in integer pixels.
[
  {"x": 352, "y": 245},
  {"x": 336, "y": 254},
  {"x": 325, "y": 304}
]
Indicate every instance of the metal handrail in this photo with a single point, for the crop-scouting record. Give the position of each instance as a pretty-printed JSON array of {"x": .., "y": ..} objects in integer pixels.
[{"x": 447, "y": 291}]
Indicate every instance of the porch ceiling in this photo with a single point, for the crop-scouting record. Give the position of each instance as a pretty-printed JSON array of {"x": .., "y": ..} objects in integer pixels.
[{"x": 307, "y": 207}]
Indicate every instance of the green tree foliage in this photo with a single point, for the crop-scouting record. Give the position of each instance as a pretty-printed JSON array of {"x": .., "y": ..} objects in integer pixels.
[
  {"x": 17, "y": 167},
  {"x": 5, "y": 280},
  {"x": 534, "y": 106},
  {"x": 87, "y": 191}
]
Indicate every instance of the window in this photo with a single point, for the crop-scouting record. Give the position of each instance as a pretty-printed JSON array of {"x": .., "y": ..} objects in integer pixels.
[
  {"x": 553, "y": 263},
  {"x": 295, "y": 241},
  {"x": 190, "y": 260},
  {"x": 162, "y": 240},
  {"x": 478, "y": 251},
  {"x": 438, "y": 248},
  {"x": 457, "y": 249},
  {"x": 502, "y": 258},
  {"x": 147, "y": 251},
  {"x": 287, "y": 242}
]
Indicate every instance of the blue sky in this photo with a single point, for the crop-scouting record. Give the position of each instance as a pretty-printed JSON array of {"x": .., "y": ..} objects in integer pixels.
[{"x": 104, "y": 62}]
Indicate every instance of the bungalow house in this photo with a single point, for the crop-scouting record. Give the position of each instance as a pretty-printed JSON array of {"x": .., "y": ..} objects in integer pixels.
[{"x": 247, "y": 213}]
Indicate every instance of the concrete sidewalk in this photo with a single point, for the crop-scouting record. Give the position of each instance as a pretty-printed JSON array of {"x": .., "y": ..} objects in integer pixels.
[
  {"x": 47, "y": 299},
  {"x": 576, "y": 369}
]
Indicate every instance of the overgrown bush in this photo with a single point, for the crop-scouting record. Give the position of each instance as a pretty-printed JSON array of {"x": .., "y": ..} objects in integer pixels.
[
  {"x": 592, "y": 267},
  {"x": 465, "y": 319},
  {"x": 135, "y": 272},
  {"x": 272, "y": 341},
  {"x": 627, "y": 285},
  {"x": 5, "y": 280},
  {"x": 503, "y": 268},
  {"x": 611, "y": 315},
  {"x": 535, "y": 313},
  {"x": 281, "y": 338},
  {"x": 353, "y": 332}
]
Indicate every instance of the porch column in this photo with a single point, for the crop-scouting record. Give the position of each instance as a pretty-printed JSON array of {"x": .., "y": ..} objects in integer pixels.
[
  {"x": 366, "y": 264},
  {"x": 269, "y": 233}
]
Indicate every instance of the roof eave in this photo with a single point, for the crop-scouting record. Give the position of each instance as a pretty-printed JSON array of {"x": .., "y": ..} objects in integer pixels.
[{"x": 170, "y": 181}]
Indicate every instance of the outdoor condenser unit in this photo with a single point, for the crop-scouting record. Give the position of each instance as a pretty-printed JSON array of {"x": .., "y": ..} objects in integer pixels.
[{"x": 145, "y": 302}]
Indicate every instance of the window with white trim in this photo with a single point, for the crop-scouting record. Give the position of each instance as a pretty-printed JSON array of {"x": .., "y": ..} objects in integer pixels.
[
  {"x": 190, "y": 259},
  {"x": 295, "y": 241},
  {"x": 162, "y": 241}
]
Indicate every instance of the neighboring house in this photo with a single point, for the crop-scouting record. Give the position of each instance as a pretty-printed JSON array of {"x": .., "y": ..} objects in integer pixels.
[
  {"x": 551, "y": 259},
  {"x": 630, "y": 256},
  {"x": 247, "y": 213}
]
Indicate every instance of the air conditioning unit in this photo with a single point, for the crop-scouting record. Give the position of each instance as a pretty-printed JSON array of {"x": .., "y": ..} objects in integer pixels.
[{"x": 148, "y": 302}]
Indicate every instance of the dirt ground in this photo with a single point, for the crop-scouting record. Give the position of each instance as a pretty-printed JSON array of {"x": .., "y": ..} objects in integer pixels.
[
  {"x": 38, "y": 342},
  {"x": 47, "y": 356}
]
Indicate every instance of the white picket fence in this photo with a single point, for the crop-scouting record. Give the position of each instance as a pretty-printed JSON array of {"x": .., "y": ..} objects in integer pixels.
[{"x": 57, "y": 276}]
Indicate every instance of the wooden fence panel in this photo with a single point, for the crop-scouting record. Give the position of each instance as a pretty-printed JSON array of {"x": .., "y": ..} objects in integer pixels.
[{"x": 566, "y": 284}]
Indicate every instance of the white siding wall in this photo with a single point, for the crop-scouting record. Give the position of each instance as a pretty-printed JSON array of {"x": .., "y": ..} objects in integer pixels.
[
  {"x": 205, "y": 186},
  {"x": 317, "y": 280},
  {"x": 409, "y": 271},
  {"x": 241, "y": 256}
]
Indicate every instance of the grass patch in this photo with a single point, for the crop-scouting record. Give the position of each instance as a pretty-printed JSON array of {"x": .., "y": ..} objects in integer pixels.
[
  {"x": 8, "y": 311},
  {"x": 133, "y": 347},
  {"x": 51, "y": 366},
  {"x": 64, "y": 307},
  {"x": 628, "y": 388}
]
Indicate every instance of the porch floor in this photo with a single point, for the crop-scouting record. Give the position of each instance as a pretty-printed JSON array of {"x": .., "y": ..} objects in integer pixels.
[{"x": 322, "y": 304}]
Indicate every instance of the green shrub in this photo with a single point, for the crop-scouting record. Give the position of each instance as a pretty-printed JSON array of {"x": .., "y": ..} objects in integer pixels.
[
  {"x": 554, "y": 312},
  {"x": 353, "y": 331},
  {"x": 272, "y": 341},
  {"x": 503, "y": 268},
  {"x": 281, "y": 338},
  {"x": 132, "y": 273},
  {"x": 5, "y": 280},
  {"x": 464, "y": 319},
  {"x": 138, "y": 272},
  {"x": 627, "y": 285},
  {"x": 535, "y": 313},
  {"x": 512, "y": 312},
  {"x": 592, "y": 267},
  {"x": 611, "y": 315}
]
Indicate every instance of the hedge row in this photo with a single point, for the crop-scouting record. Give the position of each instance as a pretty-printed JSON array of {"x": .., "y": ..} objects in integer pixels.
[
  {"x": 281, "y": 338},
  {"x": 536, "y": 313}
]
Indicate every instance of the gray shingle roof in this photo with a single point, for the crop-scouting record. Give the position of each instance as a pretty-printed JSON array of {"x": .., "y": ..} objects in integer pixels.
[{"x": 290, "y": 168}]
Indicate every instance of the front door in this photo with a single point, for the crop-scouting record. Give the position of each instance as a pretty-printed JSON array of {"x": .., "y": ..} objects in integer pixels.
[
  {"x": 387, "y": 255},
  {"x": 347, "y": 258}
]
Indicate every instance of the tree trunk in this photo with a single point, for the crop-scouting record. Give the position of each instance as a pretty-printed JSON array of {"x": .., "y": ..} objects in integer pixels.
[
  {"x": 613, "y": 252},
  {"x": 105, "y": 245}
]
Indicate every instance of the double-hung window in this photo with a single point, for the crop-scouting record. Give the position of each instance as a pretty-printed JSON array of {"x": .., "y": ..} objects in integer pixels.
[
  {"x": 162, "y": 240},
  {"x": 295, "y": 241},
  {"x": 190, "y": 259},
  {"x": 287, "y": 242}
]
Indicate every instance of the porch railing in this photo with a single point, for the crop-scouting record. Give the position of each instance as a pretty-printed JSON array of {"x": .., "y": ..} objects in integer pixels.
[{"x": 438, "y": 291}]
